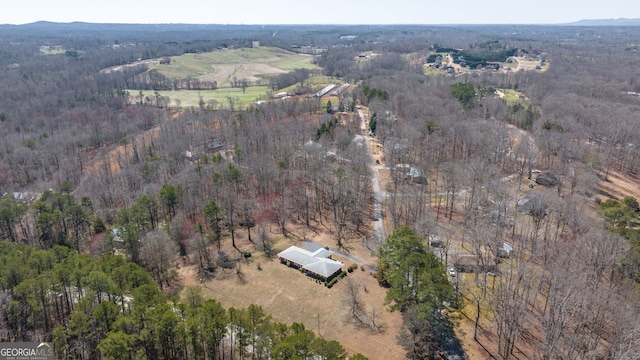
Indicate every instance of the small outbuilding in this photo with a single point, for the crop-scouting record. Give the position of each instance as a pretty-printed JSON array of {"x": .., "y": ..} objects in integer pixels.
[
  {"x": 506, "y": 250},
  {"x": 416, "y": 175},
  {"x": 215, "y": 145}
]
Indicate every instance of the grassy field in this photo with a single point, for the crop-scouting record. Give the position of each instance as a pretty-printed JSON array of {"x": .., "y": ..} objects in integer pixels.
[
  {"x": 189, "y": 98},
  {"x": 511, "y": 96},
  {"x": 52, "y": 52},
  {"x": 223, "y": 65},
  {"x": 324, "y": 80}
]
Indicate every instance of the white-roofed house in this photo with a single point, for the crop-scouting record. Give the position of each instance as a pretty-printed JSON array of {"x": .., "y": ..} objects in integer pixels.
[{"x": 316, "y": 264}]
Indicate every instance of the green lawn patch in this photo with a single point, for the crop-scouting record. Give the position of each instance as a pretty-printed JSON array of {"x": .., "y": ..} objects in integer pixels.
[
  {"x": 52, "y": 52},
  {"x": 246, "y": 62},
  {"x": 512, "y": 96},
  {"x": 191, "y": 98}
]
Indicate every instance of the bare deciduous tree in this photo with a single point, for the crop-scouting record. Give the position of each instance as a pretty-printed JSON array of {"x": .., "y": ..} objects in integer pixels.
[{"x": 158, "y": 252}]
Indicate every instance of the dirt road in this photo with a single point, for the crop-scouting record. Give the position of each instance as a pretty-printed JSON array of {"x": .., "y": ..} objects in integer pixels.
[{"x": 379, "y": 195}]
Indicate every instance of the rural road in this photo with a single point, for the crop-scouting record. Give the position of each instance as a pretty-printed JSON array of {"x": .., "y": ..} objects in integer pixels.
[
  {"x": 451, "y": 345},
  {"x": 379, "y": 194}
]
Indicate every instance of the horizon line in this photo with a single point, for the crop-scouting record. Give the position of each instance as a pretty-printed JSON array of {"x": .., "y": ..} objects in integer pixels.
[{"x": 322, "y": 24}]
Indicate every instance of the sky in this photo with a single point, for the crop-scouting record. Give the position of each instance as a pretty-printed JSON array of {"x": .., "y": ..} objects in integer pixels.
[{"x": 316, "y": 12}]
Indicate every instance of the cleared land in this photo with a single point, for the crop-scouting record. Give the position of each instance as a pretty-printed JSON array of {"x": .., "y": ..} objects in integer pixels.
[
  {"x": 510, "y": 96},
  {"x": 516, "y": 64},
  {"x": 222, "y": 66},
  {"x": 290, "y": 296},
  {"x": 189, "y": 98}
]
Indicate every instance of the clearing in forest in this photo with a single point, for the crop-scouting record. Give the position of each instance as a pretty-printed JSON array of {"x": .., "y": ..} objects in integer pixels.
[
  {"x": 290, "y": 296},
  {"x": 226, "y": 68},
  {"x": 223, "y": 65}
]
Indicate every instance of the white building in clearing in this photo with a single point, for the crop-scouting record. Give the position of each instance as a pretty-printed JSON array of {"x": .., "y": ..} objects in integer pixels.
[
  {"x": 324, "y": 91},
  {"x": 316, "y": 264}
]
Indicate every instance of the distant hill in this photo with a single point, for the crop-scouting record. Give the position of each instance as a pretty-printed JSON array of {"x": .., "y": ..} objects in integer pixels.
[
  {"x": 85, "y": 26},
  {"x": 606, "y": 22},
  {"x": 168, "y": 32}
]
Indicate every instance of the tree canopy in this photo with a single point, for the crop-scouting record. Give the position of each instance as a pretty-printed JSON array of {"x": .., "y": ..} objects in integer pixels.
[
  {"x": 110, "y": 308},
  {"x": 464, "y": 93},
  {"x": 416, "y": 277}
]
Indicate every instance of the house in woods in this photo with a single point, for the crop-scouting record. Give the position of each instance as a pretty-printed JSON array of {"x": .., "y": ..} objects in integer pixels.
[
  {"x": 215, "y": 145},
  {"x": 435, "y": 241},
  {"x": 21, "y": 197},
  {"x": 316, "y": 264},
  {"x": 117, "y": 234},
  {"x": 473, "y": 264},
  {"x": 411, "y": 174},
  {"x": 416, "y": 175},
  {"x": 192, "y": 155},
  {"x": 312, "y": 146},
  {"x": 505, "y": 251},
  {"x": 403, "y": 168},
  {"x": 547, "y": 179},
  {"x": 532, "y": 204}
]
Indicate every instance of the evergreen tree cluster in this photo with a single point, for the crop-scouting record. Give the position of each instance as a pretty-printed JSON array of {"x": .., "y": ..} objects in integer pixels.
[
  {"x": 110, "y": 308},
  {"x": 372, "y": 93},
  {"x": 418, "y": 287}
]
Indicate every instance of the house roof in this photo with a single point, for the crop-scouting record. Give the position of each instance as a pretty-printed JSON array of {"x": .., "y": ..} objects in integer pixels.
[
  {"x": 416, "y": 172},
  {"x": 298, "y": 256},
  {"x": 316, "y": 261},
  {"x": 322, "y": 253},
  {"x": 325, "y": 267},
  {"x": 117, "y": 234},
  {"x": 312, "y": 146},
  {"x": 325, "y": 90},
  {"x": 530, "y": 203}
]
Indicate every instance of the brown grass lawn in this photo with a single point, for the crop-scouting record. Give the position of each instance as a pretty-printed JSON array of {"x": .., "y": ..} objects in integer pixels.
[
  {"x": 224, "y": 73},
  {"x": 618, "y": 185},
  {"x": 290, "y": 296}
]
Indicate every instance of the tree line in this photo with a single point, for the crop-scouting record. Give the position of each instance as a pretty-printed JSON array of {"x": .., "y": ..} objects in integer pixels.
[{"x": 110, "y": 308}]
